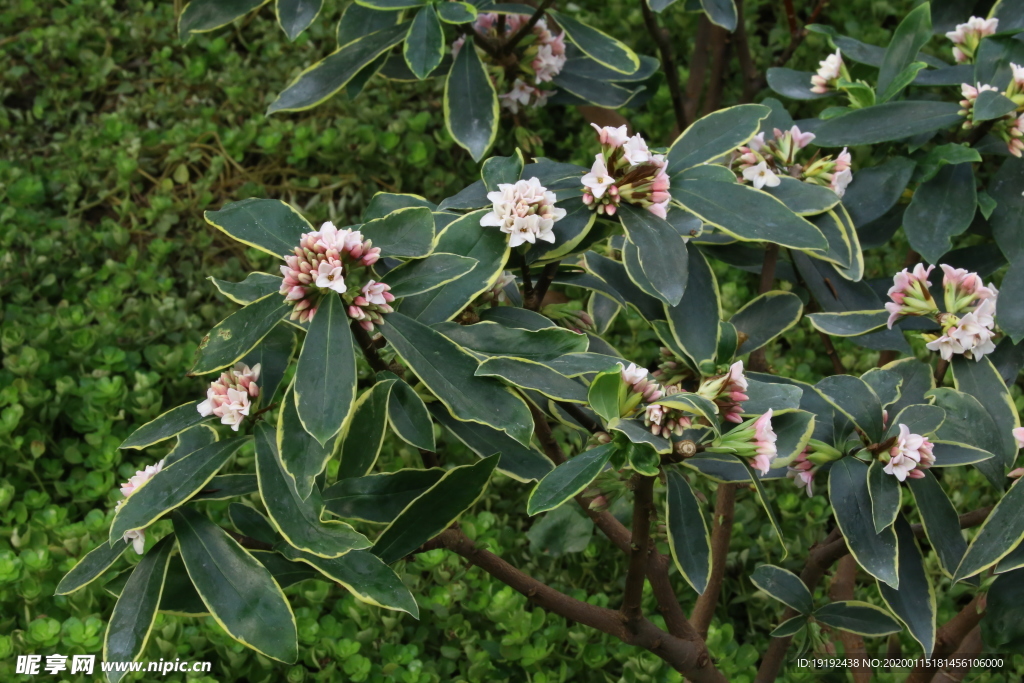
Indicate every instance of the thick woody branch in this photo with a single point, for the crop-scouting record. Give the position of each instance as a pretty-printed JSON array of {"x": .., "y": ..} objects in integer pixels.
[
  {"x": 757, "y": 361},
  {"x": 698, "y": 68},
  {"x": 369, "y": 348},
  {"x": 721, "y": 532},
  {"x": 668, "y": 65},
  {"x": 970, "y": 647},
  {"x": 949, "y": 637},
  {"x": 842, "y": 588},
  {"x": 689, "y": 658},
  {"x": 643, "y": 505},
  {"x": 546, "y": 278}
]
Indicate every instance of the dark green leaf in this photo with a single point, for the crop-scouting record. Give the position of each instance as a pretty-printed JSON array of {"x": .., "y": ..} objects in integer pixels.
[
  {"x": 423, "y": 275},
  {"x": 295, "y": 16},
  {"x": 907, "y": 40},
  {"x": 875, "y": 190},
  {"x": 914, "y": 601},
  {"x": 298, "y": 519},
  {"x": 1002, "y": 531},
  {"x": 364, "y": 432},
  {"x": 517, "y": 461},
  {"x": 661, "y": 251},
  {"x": 471, "y": 105},
  {"x": 285, "y": 572},
  {"x": 133, "y": 616},
  {"x": 255, "y": 286},
  {"x": 789, "y": 627},
  {"x": 179, "y": 596},
  {"x": 424, "y": 45},
  {"x": 200, "y": 16},
  {"x": 916, "y": 382},
  {"x": 956, "y": 454},
  {"x": 747, "y": 214},
  {"x": 694, "y": 322},
  {"x": 384, "y": 203},
  {"x": 269, "y": 225},
  {"x": 561, "y": 531},
  {"x": 598, "y": 45},
  {"x": 240, "y": 593},
  {"x": 920, "y": 419},
  {"x": 714, "y": 135},
  {"x": 302, "y": 456},
  {"x": 325, "y": 78},
  {"x": 497, "y": 171},
  {"x": 1007, "y": 220},
  {"x": 251, "y": 523},
  {"x": 1003, "y": 625},
  {"x": 885, "y": 383},
  {"x": 465, "y": 237},
  {"x": 528, "y": 374},
  {"x": 981, "y": 380},
  {"x": 766, "y": 317},
  {"x": 784, "y": 586},
  {"x": 884, "y": 490},
  {"x": 941, "y": 208},
  {"x": 726, "y": 468},
  {"x": 163, "y": 427},
  {"x": 379, "y": 497},
  {"x": 569, "y": 479},
  {"x": 721, "y": 13},
  {"x": 456, "y": 12},
  {"x": 688, "y": 538},
  {"x": 90, "y": 567},
  {"x": 793, "y": 84},
  {"x": 614, "y": 274},
  {"x": 190, "y": 441},
  {"x": 409, "y": 418},
  {"x": 940, "y": 520},
  {"x": 1011, "y": 318},
  {"x": 238, "y": 334},
  {"x": 762, "y": 498},
  {"x": 855, "y": 399},
  {"x": 325, "y": 376},
  {"x": 857, "y": 617},
  {"x": 851, "y": 504},
  {"x": 391, "y": 4},
  {"x": 273, "y": 354},
  {"x": 605, "y": 391},
  {"x": 803, "y": 199},
  {"x": 227, "y": 486},
  {"x": 492, "y": 339},
  {"x": 432, "y": 512},
  {"x": 597, "y": 92},
  {"x": 849, "y": 323},
  {"x": 407, "y": 232},
  {"x": 448, "y": 372},
  {"x": 887, "y": 122},
  {"x": 904, "y": 78},
  {"x": 991, "y": 104}
]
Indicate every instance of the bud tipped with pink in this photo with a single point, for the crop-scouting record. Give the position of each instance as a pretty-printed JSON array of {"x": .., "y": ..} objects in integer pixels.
[
  {"x": 229, "y": 396},
  {"x": 909, "y": 456},
  {"x": 910, "y": 295}
]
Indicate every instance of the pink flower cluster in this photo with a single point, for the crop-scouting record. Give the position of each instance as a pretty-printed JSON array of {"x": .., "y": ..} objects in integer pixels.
[
  {"x": 1010, "y": 127},
  {"x": 760, "y": 163},
  {"x": 829, "y": 71},
  {"x": 909, "y": 456},
  {"x": 137, "y": 537},
  {"x": 728, "y": 392},
  {"x": 802, "y": 472},
  {"x": 636, "y": 378},
  {"x": 910, "y": 295},
  {"x": 545, "y": 55},
  {"x": 525, "y": 211},
  {"x": 229, "y": 396},
  {"x": 967, "y": 36},
  {"x": 367, "y": 306},
  {"x": 968, "y": 325},
  {"x": 626, "y": 171},
  {"x": 754, "y": 439}
]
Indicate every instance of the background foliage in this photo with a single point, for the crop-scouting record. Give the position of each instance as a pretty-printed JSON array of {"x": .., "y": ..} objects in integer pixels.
[{"x": 116, "y": 139}]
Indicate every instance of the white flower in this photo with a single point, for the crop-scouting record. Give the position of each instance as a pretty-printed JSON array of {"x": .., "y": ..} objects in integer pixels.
[
  {"x": 830, "y": 67},
  {"x": 547, "y": 64},
  {"x": 801, "y": 139},
  {"x": 525, "y": 210},
  {"x": 140, "y": 478},
  {"x": 598, "y": 180},
  {"x": 973, "y": 336},
  {"x": 607, "y": 135},
  {"x": 137, "y": 538},
  {"x": 985, "y": 313},
  {"x": 523, "y": 229},
  {"x": 635, "y": 150},
  {"x": 840, "y": 180},
  {"x": 633, "y": 374},
  {"x": 946, "y": 346},
  {"x": 518, "y": 97},
  {"x": 756, "y": 142},
  {"x": 760, "y": 176},
  {"x": 330, "y": 276},
  {"x": 374, "y": 292},
  {"x": 910, "y": 452}
]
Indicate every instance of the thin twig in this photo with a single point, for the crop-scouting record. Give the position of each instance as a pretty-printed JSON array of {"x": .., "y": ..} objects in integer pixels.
[
  {"x": 663, "y": 40},
  {"x": 757, "y": 360},
  {"x": 721, "y": 533},
  {"x": 949, "y": 637},
  {"x": 514, "y": 39},
  {"x": 543, "y": 283}
]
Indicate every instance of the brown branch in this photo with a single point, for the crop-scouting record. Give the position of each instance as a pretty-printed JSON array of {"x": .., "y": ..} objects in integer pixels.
[
  {"x": 748, "y": 71},
  {"x": 663, "y": 40},
  {"x": 971, "y": 646},
  {"x": 721, "y": 41},
  {"x": 721, "y": 532},
  {"x": 757, "y": 361},
  {"x": 949, "y": 637},
  {"x": 576, "y": 413},
  {"x": 369, "y": 348},
  {"x": 830, "y": 349},
  {"x": 687, "y": 657},
  {"x": 842, "y": 586},
  {"x": 248, "y": 541},
  {"x": 698, "y": 68},
  {"x": 940, "y": 371},
  {"x": 514, "y": 39},
  {"x": 643, "y": 506},
  {"x": 545, "y": 280}
]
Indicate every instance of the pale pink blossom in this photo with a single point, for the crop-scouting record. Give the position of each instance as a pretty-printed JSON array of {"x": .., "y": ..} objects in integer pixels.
[
  {"x": 229, "y": 395},
  {"x": 946, "y": 346},
  {"x": 524, "y": 210},
  {"x": 330, "y": 275},
  {"x": 760, "y": 176},
  {"x": 967, "y": 36},
  {"x": 1018, "y": 436},
  {"x": 139, "y": 478},
  {"x": 548, "y": 64},
  {"x": 843, "y": 161},
  {"x": 802, "y": 471},
  {"x": 973, "y": 337},
  {"x": 800, "y": 139},
  {"x": 756, "y": 142},
  {"x": 635, "y": 150},
  {"x": 728, "y": 392},
  {"x": 377, "y": 292},
  {"x": 840, "y": 181},
  {"x": 764, "y": 442},
  {"x": 909, "y": 456},
  {"x": 633, "y": 374},
  {"x": 909, "y": 294},
  {"x": 137, "y": 537},
  {"x": 615, "y": 137},
  {"x": 829, "y": 69},
  {"x": 598, "y": 180},
  {"x": 518, "y": 97}
]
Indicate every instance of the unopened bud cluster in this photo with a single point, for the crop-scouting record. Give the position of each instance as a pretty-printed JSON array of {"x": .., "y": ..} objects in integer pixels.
[
  {"x": 761, "y": 162},
  {"x": 230, "y": 396},
  {"x": 524, "y": 210},
  {"x": 1009, "y": 127},
  {"x": 626, "y": 171},
  {"x": 968, "y": 323},
  {"x": 830, "y": 70},
  {"x": 754, "y": 439},
  {"x": 333, "y": 260},
  {"x": 541, "y": 56},
  {"x": 807, "y": 463}
]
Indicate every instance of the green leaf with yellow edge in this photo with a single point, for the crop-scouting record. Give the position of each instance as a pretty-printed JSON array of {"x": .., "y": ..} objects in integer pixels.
[
  {"x": 528, "y": 374},
  {"x": 598, "y": 45},
  {"x": 406, "y": 232},
  {"x": 325, "y": 376},
  {"x": 568, "y": 479},
  {"x": 849, "y": 323},
  {"x": 379, "y": 498},
  {"x": 492, "y": 339},
  {"x": 661, "y": 252},
  {"x": 471, "y": 105},
  {"x": 914, "y": 602},
  {"x": 135, "y": 611},
  {"x": 715, "y": 135},
  {"x": 765, "y": 317},
  {"x": 940, "y": 520},
  {"x": 239, "y": 591},
  {"x": 688, "y": 538},
  {"x": 232, "y": 338},
  {"x": 606, "y": 391},
  {"x": 364, "y": 432},
  {"x": 255, "y": 286},
  {"x": 201, "y": 16},
  {"x": 884, "y": 490},
  {"x": 448, "y": 372},
  {"x": 298, "y": 519},
  {"x": 409, "y": 418},
  {"x": 858, "y": 617},
  {"x": 269, "y": 225},
  {"x": 422, "y": 275},
  {"x": 325, "y": 78},
  {"x": 784, "y": 586},
  {"x": 433, "y": 511},
  {"x": 694, "y": 321},
  {"x": 1001, "y": 532},
  {"x": 171, "y": 487},
  {"x": 982, "y": 380},
  {"x": 295, "y": 16},
  {"x": 90, "y": 567},
  {"x": 856, "y": 400},
  {"x": 302, "y": 456},
  {"x": 165, "y": 426},
  {"x": 851, "y": 504}
]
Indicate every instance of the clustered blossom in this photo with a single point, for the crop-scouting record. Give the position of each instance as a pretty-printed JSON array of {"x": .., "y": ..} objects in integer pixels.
[
  {"x": 325, "y": 261},
  {"x": 496, "y": 294},
  {"x": 137, "y": 537},
  {"x": 626, "y": 171},
  {"x": 760, "y": 163},
  {"x": 754, "y": 439},
  {"x": 229, "y": 397},
  {"x": 540, "y": 62},
  {"x": 829, "y": 71},
  {"x": 910, "y": 456},
  {"x": 807, "y": 463},
  {"x": 727, "y": 392},
  {"x": 968, "y": 323},
  {"x": 967, "y": 36},
  {"x": 525, "y": 210},
  {"x": 1009, "y": 127}
]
